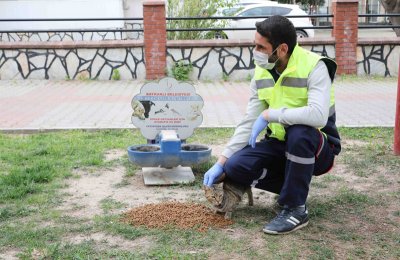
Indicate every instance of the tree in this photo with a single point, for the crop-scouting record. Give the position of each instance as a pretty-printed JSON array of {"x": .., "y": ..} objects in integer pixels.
[
  {"x": 393, "y": 7},
  {"x": 311, "y": 2},
  {"x": 190, "y": 8}
]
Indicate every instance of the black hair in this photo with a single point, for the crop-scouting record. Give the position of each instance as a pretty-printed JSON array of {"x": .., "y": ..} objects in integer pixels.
[{"x": 278, "y": 29}]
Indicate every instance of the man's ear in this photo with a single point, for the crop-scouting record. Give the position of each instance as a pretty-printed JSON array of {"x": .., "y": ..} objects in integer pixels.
[{"x": 283, "y": 49}]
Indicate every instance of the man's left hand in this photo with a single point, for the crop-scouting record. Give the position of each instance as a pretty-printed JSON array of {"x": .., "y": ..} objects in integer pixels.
[{"x": 259, "y": 125}]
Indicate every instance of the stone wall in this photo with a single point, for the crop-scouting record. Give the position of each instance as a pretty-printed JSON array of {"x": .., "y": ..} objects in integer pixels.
[
  {"x": 378, "y": 57},
  {"x": 234, "y": 59},
  {"x": 211, "y": 59},
  {"x": 85, "y": 60}
]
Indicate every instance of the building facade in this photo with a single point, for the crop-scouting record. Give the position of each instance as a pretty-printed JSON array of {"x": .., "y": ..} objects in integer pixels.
[{"x": 364, "y": 7}]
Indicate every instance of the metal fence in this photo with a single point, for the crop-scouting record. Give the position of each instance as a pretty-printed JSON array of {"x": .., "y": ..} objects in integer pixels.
[
  {"x": 72, "y": 20},
  {"x": 325, "y": 22},
  {"x": 244, "y": 17}
]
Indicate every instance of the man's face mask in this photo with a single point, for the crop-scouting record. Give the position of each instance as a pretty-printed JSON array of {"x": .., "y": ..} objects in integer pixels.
[{"x": 263, "y": 59}]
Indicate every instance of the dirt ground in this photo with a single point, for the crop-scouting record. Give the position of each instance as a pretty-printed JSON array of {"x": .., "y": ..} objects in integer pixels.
[{"x": 90, "y": 187}]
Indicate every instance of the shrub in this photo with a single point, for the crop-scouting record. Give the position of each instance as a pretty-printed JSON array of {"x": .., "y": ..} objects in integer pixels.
[
  {"x": 116, "y": 75},
  {"x": 181, "y": 70}
]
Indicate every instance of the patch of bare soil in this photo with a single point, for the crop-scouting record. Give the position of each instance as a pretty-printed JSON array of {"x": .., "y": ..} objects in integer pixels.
[
  {"x": 86, "y": 192},
  {"x": 347, "y": 179},
  {"x": 142, "y": 243},
  {"x": 224, "y": 256},
  {"x": 175, "y": 214},
  {"x": 350, "y": 142},
  {"x": 113, "y": 154},
  {"x": 89, "y": 187},
  {"x": 10, "y": 254}
]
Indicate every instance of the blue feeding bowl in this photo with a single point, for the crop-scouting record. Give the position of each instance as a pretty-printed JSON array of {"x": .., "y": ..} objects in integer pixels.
[{"x": 169, "y": 153}]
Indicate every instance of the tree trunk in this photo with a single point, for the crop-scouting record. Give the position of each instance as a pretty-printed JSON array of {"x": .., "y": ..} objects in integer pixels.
[{"x": 393, "y": 7}]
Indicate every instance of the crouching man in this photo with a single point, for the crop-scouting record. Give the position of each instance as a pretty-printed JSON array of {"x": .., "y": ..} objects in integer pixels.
[{"x": 292, "y": 98}]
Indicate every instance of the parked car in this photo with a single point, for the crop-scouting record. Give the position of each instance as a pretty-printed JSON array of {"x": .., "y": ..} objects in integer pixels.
[
  {"x": 252, "y": 2},
  {"x": 266, "y": 9}
]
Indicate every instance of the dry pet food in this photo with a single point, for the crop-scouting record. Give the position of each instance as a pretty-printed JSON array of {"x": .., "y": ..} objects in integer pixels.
[{"x": 175, "y": 214}]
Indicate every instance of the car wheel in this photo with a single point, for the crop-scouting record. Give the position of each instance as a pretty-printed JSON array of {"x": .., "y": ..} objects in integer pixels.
[{"x": 301, "y": 34}]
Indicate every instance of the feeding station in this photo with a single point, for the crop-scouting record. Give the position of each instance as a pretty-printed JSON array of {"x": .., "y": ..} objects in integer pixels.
[{"x": 167, "y": 112}]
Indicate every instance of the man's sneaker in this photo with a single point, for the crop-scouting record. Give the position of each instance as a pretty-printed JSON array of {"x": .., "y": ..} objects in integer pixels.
[{"x": 288, "y": 220}]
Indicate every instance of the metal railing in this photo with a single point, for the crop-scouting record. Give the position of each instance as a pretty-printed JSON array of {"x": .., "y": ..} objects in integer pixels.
[
  {"x": 242, "y": 18},
  {"x": 378, "y": 26},
  {"x": 314, "y": 16},
  {"x": 71, "y": 20}
]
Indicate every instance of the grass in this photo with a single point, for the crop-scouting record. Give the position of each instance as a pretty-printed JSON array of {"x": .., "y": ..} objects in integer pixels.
[
  {"x": 354, "y": 210},
  {"x": 352, "y": 77},
  {"x": 30, "y": 164}
]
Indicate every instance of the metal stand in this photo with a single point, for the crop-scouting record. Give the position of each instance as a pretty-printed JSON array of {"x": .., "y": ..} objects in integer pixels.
[{"x": 164, "y": 176}]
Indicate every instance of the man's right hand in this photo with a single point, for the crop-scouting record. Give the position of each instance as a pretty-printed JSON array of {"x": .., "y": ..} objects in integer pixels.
[{"x": 213, "y": 174}]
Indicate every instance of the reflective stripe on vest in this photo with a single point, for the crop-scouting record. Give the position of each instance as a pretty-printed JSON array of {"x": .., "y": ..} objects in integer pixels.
[{"x": 290, "y": 90}]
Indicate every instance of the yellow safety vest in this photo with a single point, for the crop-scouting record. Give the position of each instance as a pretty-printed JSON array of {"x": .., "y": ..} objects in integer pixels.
[{"x": 291, "y": 90}]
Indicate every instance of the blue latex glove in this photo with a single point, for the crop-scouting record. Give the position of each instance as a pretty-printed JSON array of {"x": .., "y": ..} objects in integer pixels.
[
  {"x": 259, "y": 125},
  {"x": 213, "y": 174}
]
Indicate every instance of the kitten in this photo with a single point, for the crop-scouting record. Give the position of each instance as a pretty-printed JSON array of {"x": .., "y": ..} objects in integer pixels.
[{"x": 226, "y": 198}]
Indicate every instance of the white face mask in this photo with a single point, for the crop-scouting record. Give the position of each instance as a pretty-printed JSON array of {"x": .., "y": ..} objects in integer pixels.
[{"x": 261, "y": 59}]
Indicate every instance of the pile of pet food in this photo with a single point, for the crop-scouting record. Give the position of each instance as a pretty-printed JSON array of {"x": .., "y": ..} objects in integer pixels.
[{"x": 174, "y": 214}]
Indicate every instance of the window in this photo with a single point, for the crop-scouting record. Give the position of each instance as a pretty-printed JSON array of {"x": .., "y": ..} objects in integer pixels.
[
  {"x": 280, "y": 11},
  {"x": 252, "y": 12},
  {"x": 231, "y": 11},
  {"x": 266, "y": 11}
]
